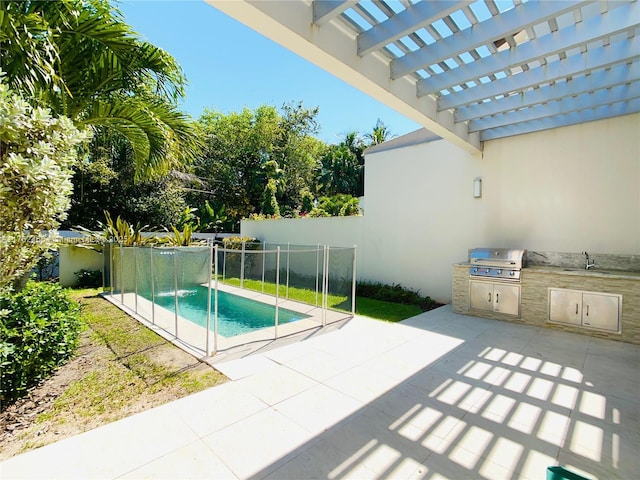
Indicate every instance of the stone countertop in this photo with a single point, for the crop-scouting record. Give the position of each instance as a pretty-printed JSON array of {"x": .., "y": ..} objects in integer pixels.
[{"x": 594, "y": 272}]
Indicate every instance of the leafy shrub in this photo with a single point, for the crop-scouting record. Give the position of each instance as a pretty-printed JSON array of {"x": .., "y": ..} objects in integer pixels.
[
  {"x": 340, "y": 205},
  {"x": 394, "y": 293},
  {"x": 89, "y": 278},
  {"x": 235, "y": 243},
  {"x": 37, "y": 155},
  {"x": 39, "y": 329}
]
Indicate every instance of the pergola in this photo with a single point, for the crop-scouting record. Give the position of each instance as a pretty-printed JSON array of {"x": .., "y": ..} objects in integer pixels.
[{"x": 469, "y": 71}]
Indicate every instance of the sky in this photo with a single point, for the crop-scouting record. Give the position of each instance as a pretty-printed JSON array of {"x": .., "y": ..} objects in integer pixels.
[{"x": 230, "y": 67}]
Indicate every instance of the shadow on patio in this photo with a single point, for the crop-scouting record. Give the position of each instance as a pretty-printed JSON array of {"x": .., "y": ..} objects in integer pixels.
[{"x": 495, "y": 401}]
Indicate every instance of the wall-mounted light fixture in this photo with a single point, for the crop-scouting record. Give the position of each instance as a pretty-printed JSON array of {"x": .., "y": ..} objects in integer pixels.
[{"x": 477, "y": 188}]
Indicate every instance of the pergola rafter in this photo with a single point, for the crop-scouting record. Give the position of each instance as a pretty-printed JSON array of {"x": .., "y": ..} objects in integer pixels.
[{"x": 469, "y": 70}]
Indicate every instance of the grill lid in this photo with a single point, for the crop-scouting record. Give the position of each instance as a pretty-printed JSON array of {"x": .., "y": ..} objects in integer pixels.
[{"x": 498, "y": 257}]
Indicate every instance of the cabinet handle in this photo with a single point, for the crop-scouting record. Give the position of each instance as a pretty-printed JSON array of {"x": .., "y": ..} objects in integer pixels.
[
  {"x": 489, "y": 298},
  {"x": 497, "y": 298},
  {"x": 587, "y": 310},
  {"x": 576, "y": 308}
]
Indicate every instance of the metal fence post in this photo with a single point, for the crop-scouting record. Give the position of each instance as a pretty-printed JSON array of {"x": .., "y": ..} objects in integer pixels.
[
  {"x": 121, "y": 275},
  {"x": 242, "y": 265},
  {"x": 153, "y": 289},
  {"x": 135, "y": 275},
  {"x": 317, "y": 270},
  {"x": 324, "y": 285},
  {"x": 277, "y": 288},
  {"x": 215, "y": 305},
  {"x": 264, "y": 248},
  {"x": 210, "y": 245},
  {"x": 175, "y": 288},
  {"x": 288, "y": 253},
  {"x": 111, "y": 266},
  {"x": 353, "y": 283}
]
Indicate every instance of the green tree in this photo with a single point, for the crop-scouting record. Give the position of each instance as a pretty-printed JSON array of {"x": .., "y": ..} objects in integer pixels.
[
  {"x": 106, "y": 181},
  {"x": 81, "y": 60},
  {"x": 343, "y": 167},
  {"x": 255, "y": 155},
  {"x": 37, "y": 154}
]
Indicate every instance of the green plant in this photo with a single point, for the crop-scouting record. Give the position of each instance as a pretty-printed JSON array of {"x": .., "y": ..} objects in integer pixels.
[
  {"x": 118, "y": 231},
  {"x": 394, "y": 293},
  {"x": 340, "y": 205},
  {"x": 89, "y": 278},
  {"x": 235, "y": 243},
  {"x": 37, "y": 154},
  {"x": 39, "y": 329},
  {"x": 182, "y": 238},
  {"x": 212, "y": 220}
]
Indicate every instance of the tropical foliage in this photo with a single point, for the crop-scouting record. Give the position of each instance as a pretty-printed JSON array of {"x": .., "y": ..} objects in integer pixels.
[
  {"x": 37, "y": 154},
  {"x": 80, "y": 59},
  {"x": 106, "y": 181},
  {"x": 258, "y": 161},
  {"x": 339, "y": 205},
  {"x": 342, "y": 167},
  {"x": 39, "y": 329}
]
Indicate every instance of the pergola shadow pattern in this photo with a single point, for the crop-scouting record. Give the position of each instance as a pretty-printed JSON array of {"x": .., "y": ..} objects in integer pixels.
[{"x": 497, "y": 401}]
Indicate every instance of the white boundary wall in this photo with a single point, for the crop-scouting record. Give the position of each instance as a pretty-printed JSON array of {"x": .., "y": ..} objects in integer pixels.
[
  {"x": 74, "y": 259},
  {"x": 332, "y": 231},
  {"x": 565, "y": 190}
]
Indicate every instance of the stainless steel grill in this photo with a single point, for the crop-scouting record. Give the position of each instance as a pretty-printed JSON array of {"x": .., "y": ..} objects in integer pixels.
[{"x": 496, "y": 263}]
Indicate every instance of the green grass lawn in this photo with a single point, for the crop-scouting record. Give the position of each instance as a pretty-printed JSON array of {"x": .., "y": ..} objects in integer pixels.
[{"x": 368, "y": 307}]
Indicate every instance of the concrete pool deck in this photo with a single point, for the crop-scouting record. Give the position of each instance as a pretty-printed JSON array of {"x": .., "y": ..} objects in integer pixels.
[
  {"x": 437, "y": 396},
  {"x": 193, "y": 338}
]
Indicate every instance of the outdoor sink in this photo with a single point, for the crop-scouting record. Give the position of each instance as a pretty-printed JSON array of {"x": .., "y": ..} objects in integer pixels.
[{"x": 596, "y": 271}]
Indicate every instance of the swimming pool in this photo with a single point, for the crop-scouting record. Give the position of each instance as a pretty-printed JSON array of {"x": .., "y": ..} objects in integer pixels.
[{"x": 236, "y": 315}]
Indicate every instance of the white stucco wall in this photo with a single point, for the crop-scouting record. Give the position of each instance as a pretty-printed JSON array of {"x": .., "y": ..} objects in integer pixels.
[
  {"x": 569, "y": 189},
  {"x": 74, "y": 259},
  {"x": 565, "y": 190},
  {"x": 336, "y": 232}
]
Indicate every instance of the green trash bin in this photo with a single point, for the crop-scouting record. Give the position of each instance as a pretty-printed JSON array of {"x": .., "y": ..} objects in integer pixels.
[{"x": 561, "y": 473}]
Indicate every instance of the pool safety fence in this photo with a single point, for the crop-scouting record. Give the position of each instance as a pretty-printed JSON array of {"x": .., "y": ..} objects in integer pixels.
[{"x": 212, "y": 298}]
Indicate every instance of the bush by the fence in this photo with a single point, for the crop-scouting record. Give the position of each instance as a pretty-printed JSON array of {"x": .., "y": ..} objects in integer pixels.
[
  {"x": 394, "y": 293},
  {"x": 89, "y": 278},
  {"x": 39, "y": 329}
]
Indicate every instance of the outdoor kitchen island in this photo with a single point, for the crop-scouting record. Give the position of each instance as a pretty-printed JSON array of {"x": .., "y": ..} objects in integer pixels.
[{"x": 543, "y": 289}]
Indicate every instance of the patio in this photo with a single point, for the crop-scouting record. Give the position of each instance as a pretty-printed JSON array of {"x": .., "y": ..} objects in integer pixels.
[{"x": 440, "y": 395}]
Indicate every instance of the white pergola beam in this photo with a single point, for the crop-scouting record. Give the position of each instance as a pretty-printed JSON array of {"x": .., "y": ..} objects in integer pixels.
[
  {"x": 599, "y": 98},
  {"x": 331, "y": 46},
  {"x": 616, "y": 75},
  {"x": 589, "y": 30},
  {"x": 600, "y": 113},
  {"x": 325, "y": 10},
  {"x": 601, "y": 57},
  {"x": 507, "y": 23},
  {"x": 406, "y": 22}
]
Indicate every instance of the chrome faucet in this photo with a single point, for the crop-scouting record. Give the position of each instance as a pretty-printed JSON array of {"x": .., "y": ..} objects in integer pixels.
[{"x": 588, "y": 265}]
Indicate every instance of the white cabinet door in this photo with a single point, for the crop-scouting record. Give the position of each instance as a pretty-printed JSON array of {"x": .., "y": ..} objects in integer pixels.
[
  {"x": 601, "y": 311},
  {"x": 506, "y": 299},
  {"x": 481, "y": 295},
  {"x": 565, "y": 306}
]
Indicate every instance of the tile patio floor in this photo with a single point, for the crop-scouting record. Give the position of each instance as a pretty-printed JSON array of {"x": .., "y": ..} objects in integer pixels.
[{"x": 437, "y": 396}]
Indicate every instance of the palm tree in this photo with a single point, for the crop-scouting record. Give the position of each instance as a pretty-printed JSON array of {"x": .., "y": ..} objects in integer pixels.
[
  {"x": 81, "y": 60},
  {"x": 380, "y": 133}
]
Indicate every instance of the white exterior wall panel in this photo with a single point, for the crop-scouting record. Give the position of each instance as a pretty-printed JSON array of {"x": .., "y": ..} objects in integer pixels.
[{"x": 565, "y": 190}]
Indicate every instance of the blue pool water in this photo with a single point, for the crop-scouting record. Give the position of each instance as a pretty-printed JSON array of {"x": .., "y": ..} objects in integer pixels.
[{"x": 236, "y": 315}]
